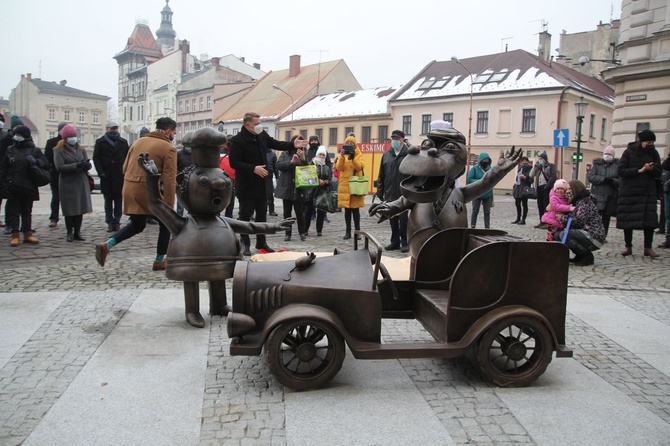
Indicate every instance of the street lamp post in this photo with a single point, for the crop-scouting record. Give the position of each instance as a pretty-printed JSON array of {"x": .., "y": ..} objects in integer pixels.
[
  {"x": 580, "y": 107},
  {"x": 455, "y": 59},
  {"x": 277, "y": 87}
]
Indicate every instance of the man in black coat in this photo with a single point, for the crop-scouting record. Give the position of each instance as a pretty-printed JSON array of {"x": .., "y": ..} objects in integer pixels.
[
  {"x": 273, "y": 173},
  {"x": 388, "y": 188},
  {"x": 248, "y": 156},
  {"x": 55, "y": 193},
  {"x": 109, "y": 154}
]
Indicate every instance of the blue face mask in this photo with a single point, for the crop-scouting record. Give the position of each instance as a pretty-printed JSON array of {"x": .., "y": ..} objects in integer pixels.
[
  {"x": 71, "y": 141},
  {"x": 395, "y": 144}
]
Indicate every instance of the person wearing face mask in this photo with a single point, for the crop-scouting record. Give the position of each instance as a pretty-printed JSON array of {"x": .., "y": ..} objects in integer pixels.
[
  {"x": 638, "y": 169},
  {"x": 55, "y": 193},
  {"x": 543, "y": 174},
  {"x": 5, "y": 142},
  {"x": 158, "y": 146},
  {"x": 475, "y": 174},
  {"x": 310, "y": 154},
  {"x": 109, "y": 154},
  {"x": 388, "y": 188},
  {"x": 17, "y": 185},
  {"x": 604, "y": 181},
  {"x": 522, "y": 179},
  {"x": 72, "y": 163},
  {"x": 248, "y": 156},
  {"x": 324, "y": 173}
]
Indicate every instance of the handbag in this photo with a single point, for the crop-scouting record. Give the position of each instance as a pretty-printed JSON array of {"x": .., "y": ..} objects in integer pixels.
[
  {"x": 41, "y": 177},
  {"x": 306, "y": 176},
  {"x": 359, "y": 185},
  {"x": 528, "y": 191},
  {"x": 91, "y": 181},
  {"x": 325, "y": 200}
]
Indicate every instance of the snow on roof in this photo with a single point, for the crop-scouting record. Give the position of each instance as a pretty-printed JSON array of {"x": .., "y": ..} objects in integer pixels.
[{"x": 371, "y": 101}]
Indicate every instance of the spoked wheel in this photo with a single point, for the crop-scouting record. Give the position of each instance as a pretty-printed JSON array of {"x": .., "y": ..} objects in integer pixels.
[
  {"x": 515, "y": 351},
  {"x": 304, "y": 355}
]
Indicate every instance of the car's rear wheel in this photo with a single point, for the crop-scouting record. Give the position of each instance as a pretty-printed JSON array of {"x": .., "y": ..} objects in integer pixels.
[
  {"x": 304, "y": 355},
  {"x": 514, "y": 351}
]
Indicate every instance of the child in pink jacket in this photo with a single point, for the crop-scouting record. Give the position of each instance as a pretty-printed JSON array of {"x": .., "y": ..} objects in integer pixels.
[{"x": 555, "y": 217}]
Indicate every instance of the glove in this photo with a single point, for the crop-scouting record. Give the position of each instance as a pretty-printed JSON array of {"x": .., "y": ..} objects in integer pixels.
[
  {"x": 31, "y": 159},
  {"x": 608, "y": 181}
]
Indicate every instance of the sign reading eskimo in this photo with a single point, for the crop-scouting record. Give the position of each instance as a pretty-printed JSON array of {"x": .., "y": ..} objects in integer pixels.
[{"x": 636, "y": 98}]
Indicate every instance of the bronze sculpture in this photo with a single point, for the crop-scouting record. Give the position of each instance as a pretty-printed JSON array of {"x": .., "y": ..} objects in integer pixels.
[
  {"x": 204, "y": 245},
  {"x": 430, "y": 191}
]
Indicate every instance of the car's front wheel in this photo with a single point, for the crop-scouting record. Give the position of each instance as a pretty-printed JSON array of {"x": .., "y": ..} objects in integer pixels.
[{"x": 304, "y": 354}]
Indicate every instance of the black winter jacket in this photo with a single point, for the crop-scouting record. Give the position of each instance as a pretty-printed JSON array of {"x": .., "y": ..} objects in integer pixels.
[
  {"x": 49, "y": 154},
  {"x": 108, "y": 159},
  {"x": 246, "y": 151},
  {"x": 636, "y": 207},
  {"x": 16, "y": 179},
  {"x": 388, "y": 181}
]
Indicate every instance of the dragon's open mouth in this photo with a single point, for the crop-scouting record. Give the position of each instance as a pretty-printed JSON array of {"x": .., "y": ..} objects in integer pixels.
[{"x": 422, "y": 189}]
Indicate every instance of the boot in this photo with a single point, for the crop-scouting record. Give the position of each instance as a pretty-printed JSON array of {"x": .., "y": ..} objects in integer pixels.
[
  {"x": 628, "y": 251},
  {"x": 14, "y": 242},
  {"x": 515, "y": 222},
  {"x": 28, "y": 238},
  {"x": 522, "y": 222},
  {"x": 586, "y": 260},
  {"x": 247, "y": 250},
  {"x": 101, "y": 252},
  {"x": 287, "y": 237},
  {"x": 648, "y": 252},
  {"x": 77, "y": 235},
  {"x": 70, "y": 235},
  {"x": 347, "y": 235}
]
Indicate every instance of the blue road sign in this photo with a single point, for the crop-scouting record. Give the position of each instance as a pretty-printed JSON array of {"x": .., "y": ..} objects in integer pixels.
[{"x": 561, "y": 137}]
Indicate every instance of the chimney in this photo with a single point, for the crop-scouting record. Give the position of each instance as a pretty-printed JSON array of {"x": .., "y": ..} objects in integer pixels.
[
  {"x": 257, "y": 66},
  {"x": 242, "y": 58},
  {"x": 29, "y": 76},
  {"x": 544, "y": 50},
  {"x": 215, "y": 62},
  {"x": 63, "y": 82},
  {"x": 294, "y": 65},
  {"x": 185, "y": 48},
  {"x": 23, "y": 76}
]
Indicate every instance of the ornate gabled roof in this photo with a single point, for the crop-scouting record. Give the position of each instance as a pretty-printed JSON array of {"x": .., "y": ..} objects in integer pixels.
[{"x": 142, "y": 41}]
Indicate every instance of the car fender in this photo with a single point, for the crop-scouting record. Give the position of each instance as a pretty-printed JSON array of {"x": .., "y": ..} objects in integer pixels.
[
  {"x": 303, "y": 312},
  {"x": 483, "y": 323}
]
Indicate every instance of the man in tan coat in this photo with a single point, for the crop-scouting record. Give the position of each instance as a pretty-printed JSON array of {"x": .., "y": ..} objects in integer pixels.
[{"x": 135, "y": 202}]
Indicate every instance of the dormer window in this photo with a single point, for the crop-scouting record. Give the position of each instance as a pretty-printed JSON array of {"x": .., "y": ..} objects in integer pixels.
[{"x": 433, "y": 84}]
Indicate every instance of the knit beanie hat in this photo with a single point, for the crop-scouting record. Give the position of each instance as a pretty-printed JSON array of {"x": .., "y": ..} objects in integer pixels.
[
  {"x": 61, "y": 125},
  {"x": 14, "y": 120},
  {"x": 609, "y": 150},
  {"x": 144, "y": 131},
  {"x": 560, "y": 184},
  {"x": 543, "y": 155},
  {"x": 68, "y": 132},
  {"x": 350, "y": 140},
  {"x": 321, "y": 150},
  {"x": 22, "y": 130},
  {"x": 646, "y": 136}
]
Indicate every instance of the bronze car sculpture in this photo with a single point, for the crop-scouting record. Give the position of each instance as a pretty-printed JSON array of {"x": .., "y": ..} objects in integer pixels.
[{"x": 303, "y": 316}]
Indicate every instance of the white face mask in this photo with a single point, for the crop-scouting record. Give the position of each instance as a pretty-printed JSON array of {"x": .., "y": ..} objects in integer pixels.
[
  {"x": 72, "y": 141},
  {"x": 319, "y": 160},
  {"x": 18, "y": 138},
  {"x": 258, "y": 128},
  {"x": 608, "y": 158}
]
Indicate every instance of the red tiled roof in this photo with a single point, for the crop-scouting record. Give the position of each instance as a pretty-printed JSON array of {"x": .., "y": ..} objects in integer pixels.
[{"x": 142, "y": 41}]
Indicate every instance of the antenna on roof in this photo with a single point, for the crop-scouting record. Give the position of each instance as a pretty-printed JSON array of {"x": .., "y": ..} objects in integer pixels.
[
  {"x": 318, "y": 74},
  {"x": 543, "y": 23},
  {"x": 501, "y": 43}
]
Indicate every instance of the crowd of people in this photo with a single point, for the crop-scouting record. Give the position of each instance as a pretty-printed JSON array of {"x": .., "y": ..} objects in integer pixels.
[{"x": 262, "y": 169}]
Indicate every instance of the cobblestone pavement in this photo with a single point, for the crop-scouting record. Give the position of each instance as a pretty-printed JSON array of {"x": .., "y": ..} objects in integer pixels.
[{"x": 242, "y": 403}]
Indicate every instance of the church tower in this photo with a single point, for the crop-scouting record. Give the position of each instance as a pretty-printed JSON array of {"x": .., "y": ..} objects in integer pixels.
[{"x": 166, "y": 34}]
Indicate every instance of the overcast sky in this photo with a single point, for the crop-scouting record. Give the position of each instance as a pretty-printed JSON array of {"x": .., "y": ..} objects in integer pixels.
[{"x": 382, "y": 44}]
